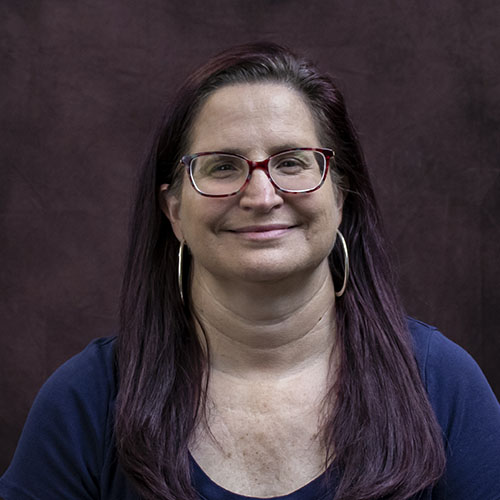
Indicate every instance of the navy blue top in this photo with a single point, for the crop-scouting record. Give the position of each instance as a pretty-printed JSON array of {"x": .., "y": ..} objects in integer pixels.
[{"x": 66, "y": 449}]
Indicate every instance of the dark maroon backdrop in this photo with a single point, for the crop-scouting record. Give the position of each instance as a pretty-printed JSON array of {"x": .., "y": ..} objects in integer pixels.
[{"x": 81, "y": 84}]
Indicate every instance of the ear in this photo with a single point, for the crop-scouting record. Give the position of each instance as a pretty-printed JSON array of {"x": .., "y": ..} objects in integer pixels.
[
  {"x": 170, "y": 204},
  {"x": 339, "y": 198}
]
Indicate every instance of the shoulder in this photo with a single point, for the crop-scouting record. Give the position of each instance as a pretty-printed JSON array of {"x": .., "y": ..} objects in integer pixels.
[
  {"x": 86, "y": 383},
  {"x": 66, "y": 441},
  {"x": 445, "y": 367},
  {"x": 93, "y": 367},
  {"x": 79, "y": 396},
  {"x": 431, "y": 346},
  {"x": 467, "y": 412}
]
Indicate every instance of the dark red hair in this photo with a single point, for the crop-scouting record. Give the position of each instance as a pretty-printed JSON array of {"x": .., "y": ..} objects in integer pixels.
[{"x": 380, "y": 430}]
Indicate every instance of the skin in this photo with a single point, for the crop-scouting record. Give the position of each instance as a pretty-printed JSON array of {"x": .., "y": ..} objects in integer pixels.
[{"x": 262, "y": 289}]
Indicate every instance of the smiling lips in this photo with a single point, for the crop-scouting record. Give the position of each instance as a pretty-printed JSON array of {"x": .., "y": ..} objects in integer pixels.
[{"x": 263, "y": 232}]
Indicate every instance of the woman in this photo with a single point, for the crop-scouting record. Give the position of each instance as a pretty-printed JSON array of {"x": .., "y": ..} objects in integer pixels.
[{"x": 263, "y": 350}]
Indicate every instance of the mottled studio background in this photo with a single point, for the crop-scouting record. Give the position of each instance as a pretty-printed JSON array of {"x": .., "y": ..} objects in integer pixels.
[{"x": 83, "y": 82}]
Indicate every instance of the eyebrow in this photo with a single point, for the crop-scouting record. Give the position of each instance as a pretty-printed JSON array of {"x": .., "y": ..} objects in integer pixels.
[{"x": 272, "y": 151}]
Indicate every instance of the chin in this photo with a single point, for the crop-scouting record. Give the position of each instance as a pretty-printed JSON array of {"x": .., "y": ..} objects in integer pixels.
[
  {"x": 266, "y": 276},
  {"x": 276, "y": 272}
]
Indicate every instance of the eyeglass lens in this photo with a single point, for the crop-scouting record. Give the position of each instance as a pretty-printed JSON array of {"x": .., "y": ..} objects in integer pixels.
[{"x": 293, "y": 171}]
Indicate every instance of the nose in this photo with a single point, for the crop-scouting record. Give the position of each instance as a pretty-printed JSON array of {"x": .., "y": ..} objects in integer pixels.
[{"x": 260, "y": 194}]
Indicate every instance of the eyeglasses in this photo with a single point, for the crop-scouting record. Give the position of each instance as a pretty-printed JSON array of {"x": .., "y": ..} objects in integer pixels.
[{"x": 218, "y": 174}]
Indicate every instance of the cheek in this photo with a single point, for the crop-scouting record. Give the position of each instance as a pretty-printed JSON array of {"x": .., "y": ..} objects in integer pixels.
[
  {"x": 200, "y": 218},
  {"x": 326, "y": 208},
  {"x": 326, "y": 229},
  {"x": 328, "y": 216},
  {"x": 188, "y": 211},
  {"x": 334, "y": 203}
]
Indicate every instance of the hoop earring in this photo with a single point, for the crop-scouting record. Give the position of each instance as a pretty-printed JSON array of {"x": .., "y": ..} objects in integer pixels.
[
  {"x": 180, "y": 256},
  {"x": 346, "y": 265}
]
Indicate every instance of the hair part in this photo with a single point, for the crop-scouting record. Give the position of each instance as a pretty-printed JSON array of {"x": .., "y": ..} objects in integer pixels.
[{"x": 380, "y": 430}]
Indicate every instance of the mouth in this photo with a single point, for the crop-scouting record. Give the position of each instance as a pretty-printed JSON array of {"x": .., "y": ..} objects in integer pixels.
[{"x": 263, "y": 232}]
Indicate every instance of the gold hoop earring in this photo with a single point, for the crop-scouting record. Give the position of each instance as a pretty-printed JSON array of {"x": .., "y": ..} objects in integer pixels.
[
  {"x": 346, "y": 265},
  {"x": 180, "y": 256}
]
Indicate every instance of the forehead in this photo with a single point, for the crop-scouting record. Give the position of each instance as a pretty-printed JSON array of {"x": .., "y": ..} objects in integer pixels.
[{"x": 258, "y": 118}]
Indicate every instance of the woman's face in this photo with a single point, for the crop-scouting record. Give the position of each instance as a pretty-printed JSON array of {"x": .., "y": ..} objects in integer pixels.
[{"x": 259, "y": 234}]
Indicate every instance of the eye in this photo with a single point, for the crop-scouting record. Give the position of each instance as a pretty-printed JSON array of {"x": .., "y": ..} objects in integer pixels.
[
  {"x": 218, "y": 167},
  {"x": 222, "y": 167},
  {"x": 224, "y": 170},
  {"x": 290, "y": 164}
]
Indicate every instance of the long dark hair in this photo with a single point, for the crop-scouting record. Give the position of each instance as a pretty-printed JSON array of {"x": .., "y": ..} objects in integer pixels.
[{"x": 380, "y": 431}]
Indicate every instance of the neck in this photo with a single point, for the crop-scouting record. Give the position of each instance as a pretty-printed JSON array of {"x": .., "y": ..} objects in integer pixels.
[{"x": 261, "y": 329}]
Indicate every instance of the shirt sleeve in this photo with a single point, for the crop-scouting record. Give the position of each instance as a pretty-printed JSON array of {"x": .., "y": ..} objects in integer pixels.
[
  {"x": 60, "y": 452},
  {"x": 469, "y": 415}
]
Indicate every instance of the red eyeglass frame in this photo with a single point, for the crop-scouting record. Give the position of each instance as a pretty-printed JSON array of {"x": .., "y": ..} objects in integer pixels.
[{"x": 262, "y": 165}]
